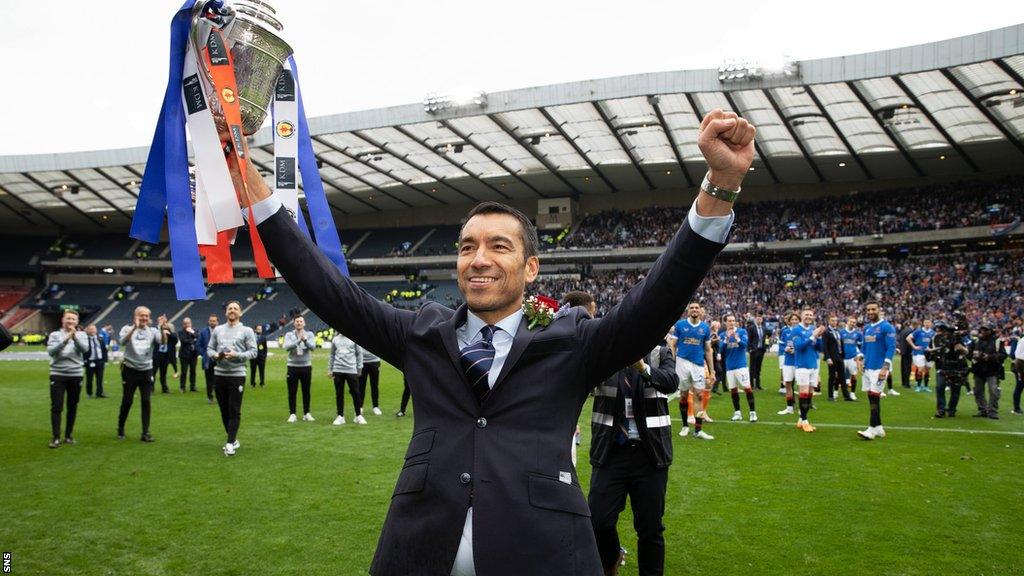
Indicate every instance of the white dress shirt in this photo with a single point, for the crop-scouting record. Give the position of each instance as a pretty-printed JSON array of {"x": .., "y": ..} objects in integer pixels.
[
  {"x": 468, "y": 334},
  {"x": 715, "y": 229}
]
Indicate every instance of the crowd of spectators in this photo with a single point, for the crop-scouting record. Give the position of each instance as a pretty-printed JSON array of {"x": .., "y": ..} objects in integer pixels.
[
  {"x": 986, "y": 286},
  {"x": 931, "y": 207}
]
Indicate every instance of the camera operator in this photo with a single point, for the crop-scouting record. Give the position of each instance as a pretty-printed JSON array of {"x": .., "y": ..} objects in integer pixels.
[
  {"x": 987, "y": 359},
  {"x": 949, "y": 352}
]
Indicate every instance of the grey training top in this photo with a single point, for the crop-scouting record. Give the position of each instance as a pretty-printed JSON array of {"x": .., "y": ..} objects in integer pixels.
[
  {"x": 346, "y": 356},
  {"x": 67, "y": 357},
  {"x": 299, "y": 351},
  {"x": 138, "y": 353},
  {"x": 369, "y": 356},
  {"x": 239, "y": 338}
]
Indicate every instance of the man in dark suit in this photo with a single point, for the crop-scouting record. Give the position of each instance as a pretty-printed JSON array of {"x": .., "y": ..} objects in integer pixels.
[
  {"x": 498, "y": 398},
  {"x": 906, "y": 352},
  {"x": 95, "y": 362},
  {"x": 166, "y": 354},
  {"x": 631, "y": 450},
  {"x": 208, "y": 363},
  {"x": 757, "y": 343},
  {"x": 5, "y": 337},
  {"x": 187, "y": 354},
  {"x": 833, "y": 344},
  {"x": 259, "y": 363}
]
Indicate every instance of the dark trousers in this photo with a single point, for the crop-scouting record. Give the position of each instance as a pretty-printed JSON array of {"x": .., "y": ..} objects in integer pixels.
[
  {"x": 756, "y": 361},
  {"x": 61, "y": 387},
  {"x": 299, "y": 375},
  {"x": 188, "y": 372},
  {"x": 836, "y": 377},
  {"x": 905, "y": 364},
  {"x": 132, "y": 380},
  {"x": 257, "y": 364},
  {"x": 209, "y": 377},
  {"x": 406, "y": 395},
  {"x": 371, "y": 372},
  {"x": 954, "y": 385},
  {"x": 229, "y": 399},
  {"x": 162, "y": 362},
  {"x": 340, "y": 380},
  {"x": 1017, "y": 390},
  {"x": 991, "y": 384},
  {"x": 628, "y": 471},
  {"x": 95, "y": 371}
]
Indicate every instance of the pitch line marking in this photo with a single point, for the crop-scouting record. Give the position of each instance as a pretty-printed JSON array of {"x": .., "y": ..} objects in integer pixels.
[{"x": 887, "y": 428}]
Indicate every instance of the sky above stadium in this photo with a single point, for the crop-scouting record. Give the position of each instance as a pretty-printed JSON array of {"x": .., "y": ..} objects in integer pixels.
[{"x": 91, "y": 75}]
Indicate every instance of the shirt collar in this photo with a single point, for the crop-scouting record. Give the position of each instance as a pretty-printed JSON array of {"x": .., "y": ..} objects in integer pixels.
[{"x": 509, "y": 324}]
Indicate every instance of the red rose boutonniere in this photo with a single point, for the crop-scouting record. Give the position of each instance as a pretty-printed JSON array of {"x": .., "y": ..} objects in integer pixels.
[{"x": 539, "y": 310}]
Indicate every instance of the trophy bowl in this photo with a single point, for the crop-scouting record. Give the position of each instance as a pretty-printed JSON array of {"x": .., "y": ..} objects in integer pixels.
[{"x": 252, "y": 32}]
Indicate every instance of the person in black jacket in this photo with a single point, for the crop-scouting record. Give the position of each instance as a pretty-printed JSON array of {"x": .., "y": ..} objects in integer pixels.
[
  {"x": 906, "y": 351},
  {"x": 165, "y": 354},
  {"x": 987, "y": 366},
  {"x": 833, "y": 345},
  {"x": 95, "y": 362},
  {"x": 259, "y": 363},
  {"x": 757, "y": 342},
  {"x": 631, "y": 451},
  {"x": 187, "y": 354},
  {"x": 5, "y": 338}
]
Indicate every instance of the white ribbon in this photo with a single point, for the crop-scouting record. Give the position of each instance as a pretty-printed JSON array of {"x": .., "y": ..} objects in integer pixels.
[
  {"x": 206, "y": 227},
  {"x": 211, "y": 168},
  {"x": 286, "y": 142}
]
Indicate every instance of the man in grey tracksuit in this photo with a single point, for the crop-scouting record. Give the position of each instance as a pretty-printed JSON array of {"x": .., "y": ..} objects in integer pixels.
[
  {"x": 138, "y": 340},
  {"x": 231, "y": 347},
  {"x": 67, "y": 348},
  {"x": 300, "y": 345},
  {"x": 344, "y": 366}
]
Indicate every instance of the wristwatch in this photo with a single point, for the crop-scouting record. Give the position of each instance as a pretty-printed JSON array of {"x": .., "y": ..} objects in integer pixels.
[{"x": 719, "y": 192}]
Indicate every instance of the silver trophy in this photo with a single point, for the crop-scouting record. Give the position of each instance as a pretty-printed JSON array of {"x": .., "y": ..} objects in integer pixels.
[{"x": 252, "y": 34}]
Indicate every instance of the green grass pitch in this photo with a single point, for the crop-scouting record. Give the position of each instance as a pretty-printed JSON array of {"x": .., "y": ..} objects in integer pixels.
[{"x": 934, "y": 497}]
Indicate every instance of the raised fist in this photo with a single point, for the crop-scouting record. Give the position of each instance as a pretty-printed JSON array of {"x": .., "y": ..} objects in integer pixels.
[{"x": 727, "y": 143}]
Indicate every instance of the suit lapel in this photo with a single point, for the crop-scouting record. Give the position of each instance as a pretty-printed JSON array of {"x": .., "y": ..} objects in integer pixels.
[
  {"x": 446, "y": 331},
  {"x": 522, "y": 339}
]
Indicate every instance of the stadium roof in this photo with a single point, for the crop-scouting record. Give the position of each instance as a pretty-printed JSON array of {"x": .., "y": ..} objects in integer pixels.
[{"x": 953, "y": 107}]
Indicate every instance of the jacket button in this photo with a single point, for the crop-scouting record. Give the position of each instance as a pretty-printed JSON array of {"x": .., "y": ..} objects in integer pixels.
[
  {"x": 465, "y": 478},
  {"x": 481, "y": 422}
]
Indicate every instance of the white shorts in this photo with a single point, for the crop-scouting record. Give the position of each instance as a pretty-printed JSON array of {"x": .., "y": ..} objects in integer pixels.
[
  {"x": 871, "y": 383},
  {"x": 920, "y": 360},
  {"x": 738, "y": 377},
  {"x": 851, "y": 367},
  {"x": 788, "y": 373},
  {"x": 690, "y": 375},
  {"x": 806, "y": 376}
]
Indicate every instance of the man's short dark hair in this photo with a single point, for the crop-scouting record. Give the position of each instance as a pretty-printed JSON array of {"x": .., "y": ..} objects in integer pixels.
[
  {"x": 527, "y": 231},
  {"x": 578, "y": 298}
]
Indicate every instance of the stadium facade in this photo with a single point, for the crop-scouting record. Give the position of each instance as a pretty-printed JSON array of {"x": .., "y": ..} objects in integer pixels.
[{"x": 935, "y": 112}]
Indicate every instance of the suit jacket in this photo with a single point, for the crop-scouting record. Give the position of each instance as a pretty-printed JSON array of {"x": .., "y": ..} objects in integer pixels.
[
  {"x": 5, "y": 337},
  {"x": 833, "y": 346},
  {"x": 188, "y": 344},
  {"x": 755, "y": 343},
  {"x": 201, "y": 343},
  {"x": 103, "y": 350},
  {"x": 508, "y": 458}
]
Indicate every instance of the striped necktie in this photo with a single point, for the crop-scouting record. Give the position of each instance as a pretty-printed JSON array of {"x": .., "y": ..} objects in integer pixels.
[{"x": 476, "y": 362}]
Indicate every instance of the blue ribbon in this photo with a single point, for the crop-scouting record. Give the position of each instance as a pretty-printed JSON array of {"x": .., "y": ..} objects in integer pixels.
[
  {"x": 319, "y": 211},
  {"x": 165, "y": 182}
]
